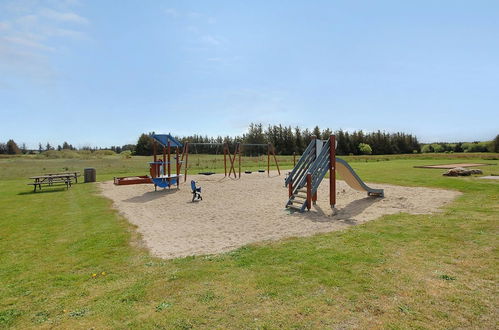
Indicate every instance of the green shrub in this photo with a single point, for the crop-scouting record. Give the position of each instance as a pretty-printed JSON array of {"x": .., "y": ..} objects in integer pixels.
[
  {"x": 437, "y": 147},
  {"x": 476, "y": 146},
  {"x": 53, "y": 154},
  {"x": 494, "y": 146},
  {"x": 426, "y": 148},
  {"x": 365, "y": 149},
  {"x": 104, "y": 152},
  {"x": 66, "y": 153},
  {"x": 126, "y": 154}
]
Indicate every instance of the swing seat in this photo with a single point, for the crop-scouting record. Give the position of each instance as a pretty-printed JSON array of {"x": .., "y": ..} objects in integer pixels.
[
  {"x": 248, "y": 172},
  {"x": 261, "y": 171},
  {"x": 206, "y": 173}
]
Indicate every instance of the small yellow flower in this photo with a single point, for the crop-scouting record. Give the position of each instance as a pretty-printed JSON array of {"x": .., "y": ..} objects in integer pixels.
[
  {"x": 103, "y": 273},
  {"x": 94, "y": 275},
  {"x": 64, "y": 311}
]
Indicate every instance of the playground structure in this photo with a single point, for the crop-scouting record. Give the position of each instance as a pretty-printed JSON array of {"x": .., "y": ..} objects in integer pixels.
[
  {"x": 319, "y": 158},
  {"x": 160, "y": 170},
  {"x": 231, "y": 160}
]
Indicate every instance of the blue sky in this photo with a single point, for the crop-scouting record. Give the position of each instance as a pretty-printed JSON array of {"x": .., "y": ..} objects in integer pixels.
[{"x": 102, "y": 72}]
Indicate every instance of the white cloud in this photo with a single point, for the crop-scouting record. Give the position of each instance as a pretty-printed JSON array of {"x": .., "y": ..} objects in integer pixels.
[
  {"x": 27, "y": 43},
  {"x": 211, "y": 40},
  {"x": 63, "y": 16},
  {"x": 64, "y": 33},
  {"x": 32, "y": 31},
  {"x": 192, "y": 15}
]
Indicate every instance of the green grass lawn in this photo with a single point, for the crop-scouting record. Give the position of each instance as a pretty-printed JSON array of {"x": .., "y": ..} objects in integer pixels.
[{"x": 69, "y": 261}]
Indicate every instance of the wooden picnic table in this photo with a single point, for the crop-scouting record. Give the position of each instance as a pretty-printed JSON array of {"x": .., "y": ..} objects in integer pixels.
[
  {"x": 75, "y": 175},
  {"x": 53, "y": 179}
]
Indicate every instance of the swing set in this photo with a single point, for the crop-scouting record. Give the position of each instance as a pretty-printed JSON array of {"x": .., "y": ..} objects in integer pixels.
[
  {"x": 161, "y": 169},
  {"x": 231, "y": 160}
]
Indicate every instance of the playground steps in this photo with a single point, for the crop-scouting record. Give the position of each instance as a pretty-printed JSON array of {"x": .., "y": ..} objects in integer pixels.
[
  {"x": 296, "y": 208},
  {"x": 312, "y": 162}
]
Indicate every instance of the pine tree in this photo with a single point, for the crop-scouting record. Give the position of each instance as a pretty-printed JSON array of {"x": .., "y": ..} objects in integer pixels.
[
  {"x": 299, "y": 147},
  {"x": 317, "y": 132}
]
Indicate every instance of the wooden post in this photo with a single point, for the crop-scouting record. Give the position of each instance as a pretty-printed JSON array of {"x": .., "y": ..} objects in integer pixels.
[
  {"x": 239, "y": 150},
  {"x": 182, "y": 158},
  {"x": 275, "y": 159},
  {"x": 309, "y": 191},
  {"x": 164, "y": 160},
  {"x": 290, "y": 188},
  {"x": 294, "y": 159},
  {"x": 314, "y": 198},
  {"x": 332, "y": 170},
  {"x": 232, "y": 160},
  {"x": 225, "y": 158},
  {"x": 178, "y": 167},
  {"x": 268, "y": 159},
  {"x": 169, "y": 167},
  {"x": 154, "y": 150},
  {"x": 186, "y": 160},
  {"x": 154, "y": 167}
]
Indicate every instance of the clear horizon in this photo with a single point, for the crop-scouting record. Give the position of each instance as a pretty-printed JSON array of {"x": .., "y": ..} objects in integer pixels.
[{"x": 98, "y": 74}]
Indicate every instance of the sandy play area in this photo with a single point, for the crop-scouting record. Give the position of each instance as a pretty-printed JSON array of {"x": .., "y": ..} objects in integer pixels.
[{"x": 237, "y": 212}]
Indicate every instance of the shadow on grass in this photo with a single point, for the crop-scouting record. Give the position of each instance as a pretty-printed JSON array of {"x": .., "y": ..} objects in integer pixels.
[
  {"x": 50, "y": 190},
  {"x": 151, "y": 195}
]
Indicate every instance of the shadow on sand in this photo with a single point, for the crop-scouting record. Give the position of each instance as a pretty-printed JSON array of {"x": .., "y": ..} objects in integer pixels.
[
  {"x": 345, "y": 214},
  {"x": 151, "y": 195}
]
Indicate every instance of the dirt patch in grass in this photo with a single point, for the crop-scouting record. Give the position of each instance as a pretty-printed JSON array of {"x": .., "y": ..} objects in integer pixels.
[{"x": 449, "y": 166}]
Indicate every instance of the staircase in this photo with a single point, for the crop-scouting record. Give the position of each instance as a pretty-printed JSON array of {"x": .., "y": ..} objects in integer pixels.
[{"x": 314, "y": 161}]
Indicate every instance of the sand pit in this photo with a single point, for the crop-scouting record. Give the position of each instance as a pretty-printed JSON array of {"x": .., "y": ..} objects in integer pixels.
[
  {"x": 238, "y": 212},
  {"x": 450, "y": 166}
]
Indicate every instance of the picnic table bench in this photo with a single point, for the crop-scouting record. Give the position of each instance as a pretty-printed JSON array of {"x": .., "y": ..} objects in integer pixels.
[{"x": 52, "y": 179}]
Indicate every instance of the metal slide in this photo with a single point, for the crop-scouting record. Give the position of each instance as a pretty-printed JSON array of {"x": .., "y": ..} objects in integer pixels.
[{"x": 353, "y": 180}]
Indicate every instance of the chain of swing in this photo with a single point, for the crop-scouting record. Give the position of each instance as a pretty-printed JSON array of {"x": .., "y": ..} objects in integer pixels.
[{"x": 207, "y": 154}]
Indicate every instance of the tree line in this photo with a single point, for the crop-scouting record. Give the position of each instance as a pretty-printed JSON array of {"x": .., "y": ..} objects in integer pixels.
[{"x": 286, "y": 140}]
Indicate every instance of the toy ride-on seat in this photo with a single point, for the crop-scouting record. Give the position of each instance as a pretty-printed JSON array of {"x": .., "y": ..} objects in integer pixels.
[{"x": 196, "y": 192}]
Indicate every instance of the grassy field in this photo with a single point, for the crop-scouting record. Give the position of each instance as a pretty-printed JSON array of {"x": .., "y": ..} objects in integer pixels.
[{"x": 69, "y": 261}]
